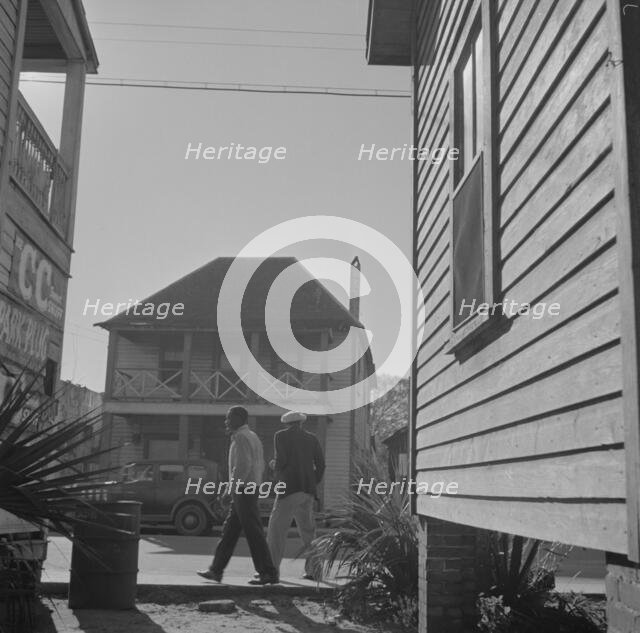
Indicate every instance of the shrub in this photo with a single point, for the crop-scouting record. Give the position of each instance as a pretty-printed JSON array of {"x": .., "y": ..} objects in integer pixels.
[
  {"x": 375, "y": 546},
  {"x": 522, "y": 598}
]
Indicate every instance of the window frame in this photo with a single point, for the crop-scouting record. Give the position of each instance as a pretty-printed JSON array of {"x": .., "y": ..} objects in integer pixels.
[{"x": 473, "y": 332}]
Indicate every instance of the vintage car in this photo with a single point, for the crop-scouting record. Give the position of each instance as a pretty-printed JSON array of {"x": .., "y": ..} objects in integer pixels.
[{"x": 160, "y": 486}]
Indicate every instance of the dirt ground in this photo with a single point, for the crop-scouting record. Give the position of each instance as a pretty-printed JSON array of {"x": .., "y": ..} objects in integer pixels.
[{"x": 263, "y": 615}]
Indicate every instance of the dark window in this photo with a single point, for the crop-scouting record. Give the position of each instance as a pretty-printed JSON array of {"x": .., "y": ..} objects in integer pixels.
[
  {"x": 473, "y": 173},
  {"x": 50, "y": 375},
  {"x": 469, "y": 104}
]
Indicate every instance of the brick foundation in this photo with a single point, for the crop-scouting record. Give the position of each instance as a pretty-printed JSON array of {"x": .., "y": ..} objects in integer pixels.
[
  {"x": 623, "y": 594},
  {"x": 452, "y": 572}
]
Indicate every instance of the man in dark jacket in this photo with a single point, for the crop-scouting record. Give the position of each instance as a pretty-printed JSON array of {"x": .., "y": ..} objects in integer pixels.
[{"x": 299, "y": 463}]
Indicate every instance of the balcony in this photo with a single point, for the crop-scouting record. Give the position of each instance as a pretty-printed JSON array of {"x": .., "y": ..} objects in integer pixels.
[
  {"x": 165, "y": 384},
  {"x": 38, "y": 169}
]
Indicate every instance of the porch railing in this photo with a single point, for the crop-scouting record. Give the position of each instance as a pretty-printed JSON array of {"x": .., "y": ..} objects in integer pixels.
[
  {"x": 152, "y": 384},
  {"x": 38, "y": 169},
  {"x": 208, "y": 386}
]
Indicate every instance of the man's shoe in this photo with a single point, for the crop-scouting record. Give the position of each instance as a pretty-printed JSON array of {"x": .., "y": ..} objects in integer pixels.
[
  {"x": 265, "y": 580},
  {"x": 210, "y": 575}
]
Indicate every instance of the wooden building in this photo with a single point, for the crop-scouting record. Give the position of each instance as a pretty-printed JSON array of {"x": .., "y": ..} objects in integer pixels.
[
  {"x": 169, "y": 383},
  {"x": 38, "y": 183},
  {"x": 536, "y": 418}
]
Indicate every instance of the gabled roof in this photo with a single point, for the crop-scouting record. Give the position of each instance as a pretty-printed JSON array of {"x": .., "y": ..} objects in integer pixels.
[{"x": 313, "y": 305}]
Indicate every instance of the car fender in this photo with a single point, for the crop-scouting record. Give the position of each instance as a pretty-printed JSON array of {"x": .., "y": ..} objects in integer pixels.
[{"x": 205, "y": 504}]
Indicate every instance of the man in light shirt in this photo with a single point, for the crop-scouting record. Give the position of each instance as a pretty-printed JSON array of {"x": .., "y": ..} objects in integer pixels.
[{"x": 246, "y": 465}]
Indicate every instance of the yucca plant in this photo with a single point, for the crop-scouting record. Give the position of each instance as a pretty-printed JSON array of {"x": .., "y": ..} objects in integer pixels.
[
  {"x": 39, "y": 482},
  {"x": 522, "y": 598},
  {"x": 375, "y": 545}
]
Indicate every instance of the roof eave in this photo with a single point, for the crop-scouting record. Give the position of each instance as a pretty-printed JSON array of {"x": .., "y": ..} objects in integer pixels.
[{"x": 388, "y": 33}]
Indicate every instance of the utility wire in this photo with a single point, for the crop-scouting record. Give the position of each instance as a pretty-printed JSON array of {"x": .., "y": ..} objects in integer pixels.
[
  {"x": 222, "y": 28},
  {"x": 233, "y": 44},
  {"x": 234, "y": 87}
]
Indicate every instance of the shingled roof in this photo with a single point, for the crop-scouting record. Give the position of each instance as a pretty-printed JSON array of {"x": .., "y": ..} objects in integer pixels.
[{"x": 313, "y": 305}]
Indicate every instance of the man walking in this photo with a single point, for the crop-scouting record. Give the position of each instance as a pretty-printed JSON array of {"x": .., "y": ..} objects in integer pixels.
[
  {"x": 246, "y": 465},
  {"x": 299, "y": 463}
]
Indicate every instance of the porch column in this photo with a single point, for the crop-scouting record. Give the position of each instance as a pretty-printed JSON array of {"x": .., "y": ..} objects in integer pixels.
[
  {"x": 183, "y": 437},
  {"x": 70, "y": 136},
  {"x": 186, "y": 364}
]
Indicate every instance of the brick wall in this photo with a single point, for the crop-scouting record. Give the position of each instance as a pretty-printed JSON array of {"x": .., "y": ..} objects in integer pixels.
[
  {"x": 453, "y": 570},
  {"x": 623, "y": 594}
]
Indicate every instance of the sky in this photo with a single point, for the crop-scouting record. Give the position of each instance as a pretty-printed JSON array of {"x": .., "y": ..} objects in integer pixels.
[{"x": 145, "y": 216}]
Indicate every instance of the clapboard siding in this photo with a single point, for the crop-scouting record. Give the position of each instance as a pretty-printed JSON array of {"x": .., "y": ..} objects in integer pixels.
[
  {"x": 137, "y": 354},
  {"x": 588, "y": 524},
  {"x": 531, "y": 425},
  {"x": 8, "y": 32}
]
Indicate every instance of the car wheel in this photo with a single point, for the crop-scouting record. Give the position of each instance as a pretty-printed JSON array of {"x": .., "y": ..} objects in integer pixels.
[{"x": 191, "y": 520}]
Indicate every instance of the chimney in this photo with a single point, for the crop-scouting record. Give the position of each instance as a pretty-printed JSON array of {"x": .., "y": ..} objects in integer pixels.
[{"x": 354, "y": 298}]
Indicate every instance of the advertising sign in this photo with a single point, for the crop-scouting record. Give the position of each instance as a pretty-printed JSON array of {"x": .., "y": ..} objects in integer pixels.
[
  {"x": 25, "y": 336},
  {"x": 36, "y": 280}
]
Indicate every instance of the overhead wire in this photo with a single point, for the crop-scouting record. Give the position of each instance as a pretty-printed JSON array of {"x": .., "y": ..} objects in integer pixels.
[
  {"x": 232, "y": 87},
  {"x": 222, "y": 28},
  {"x": 232, "y": 44}
]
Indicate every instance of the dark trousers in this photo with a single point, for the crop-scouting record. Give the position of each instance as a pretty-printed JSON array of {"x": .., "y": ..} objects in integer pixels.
[{"x": 244, "y": 516}]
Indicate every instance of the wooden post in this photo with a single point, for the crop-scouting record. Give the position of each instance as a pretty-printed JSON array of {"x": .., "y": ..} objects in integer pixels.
[
  {"x": 255, "y": 351},
  {"x": 183, "y": 437},
  {"x": 624, "y": 66},
  {"x": 186, "y": 364},
  {"x": 112, "y": 355},
  {"x": 70, "y": 137}
]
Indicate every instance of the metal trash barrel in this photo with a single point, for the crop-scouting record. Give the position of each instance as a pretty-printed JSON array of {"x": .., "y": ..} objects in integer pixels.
[{"x": 104, "y": 563}]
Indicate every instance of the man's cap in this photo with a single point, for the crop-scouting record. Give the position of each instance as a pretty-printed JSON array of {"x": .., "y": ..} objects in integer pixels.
[{"x": 293, "y": 416}]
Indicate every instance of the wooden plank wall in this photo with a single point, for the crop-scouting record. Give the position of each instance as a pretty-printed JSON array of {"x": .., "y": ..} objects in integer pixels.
[
  {"x": 137, "y": 353},
  {"x": 8, "y": 34},
  {"x": 531, "y": 426}
]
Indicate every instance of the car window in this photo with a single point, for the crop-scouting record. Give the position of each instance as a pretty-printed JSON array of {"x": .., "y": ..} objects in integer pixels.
[
  {"x": 196, "y": 471},
  {"x": 137, "y": 472},
  {"x": 171, "y": 472}
]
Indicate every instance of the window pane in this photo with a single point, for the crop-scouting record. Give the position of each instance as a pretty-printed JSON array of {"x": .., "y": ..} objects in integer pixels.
[
  {"x": 478, "y": 94},
  {"x": 468, "y": 252},
  {"x": 467, "y": 114}
]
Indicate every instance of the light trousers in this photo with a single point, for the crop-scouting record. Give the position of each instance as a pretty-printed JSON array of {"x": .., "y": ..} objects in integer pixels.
[{"x": 298, "y": 506}]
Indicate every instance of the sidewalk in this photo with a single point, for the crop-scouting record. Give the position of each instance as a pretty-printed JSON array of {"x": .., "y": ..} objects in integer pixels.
[{"x": 169, "y": 562}]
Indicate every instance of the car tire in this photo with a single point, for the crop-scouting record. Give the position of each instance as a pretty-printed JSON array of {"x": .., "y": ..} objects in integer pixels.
[{"x": 191, "y": 520}]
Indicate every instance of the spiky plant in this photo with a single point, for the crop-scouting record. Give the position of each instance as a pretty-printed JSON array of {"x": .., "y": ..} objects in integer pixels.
[
  {"x": 375, "y": 545},
  {"x": 522, "y": 598},
  {"x": 40, "y": 481}
]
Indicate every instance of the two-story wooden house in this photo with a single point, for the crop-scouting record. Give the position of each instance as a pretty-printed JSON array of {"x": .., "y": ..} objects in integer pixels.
[
  {"x": 38, "y": 183},
  {"x": 535, "y": 416},
  {"x": 169, "y": 382}
]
